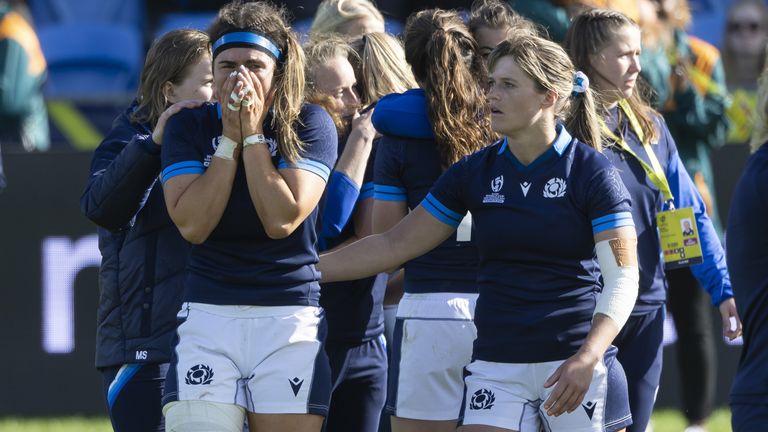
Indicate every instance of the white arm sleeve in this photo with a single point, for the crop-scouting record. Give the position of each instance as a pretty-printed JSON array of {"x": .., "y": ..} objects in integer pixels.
[{"x": 620, "y": 285}]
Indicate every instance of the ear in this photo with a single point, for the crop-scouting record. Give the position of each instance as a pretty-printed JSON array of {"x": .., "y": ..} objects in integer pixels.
[
  {"x": 550, "y": 99},
  {"x": 168, "y": 91}
]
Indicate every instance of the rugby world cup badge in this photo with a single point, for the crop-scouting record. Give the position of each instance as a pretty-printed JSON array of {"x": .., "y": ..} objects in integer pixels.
[{"x": 495, "y": 197}]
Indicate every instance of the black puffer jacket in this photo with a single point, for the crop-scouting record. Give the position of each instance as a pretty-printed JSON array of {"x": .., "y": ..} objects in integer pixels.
[{"x": 143, "y": 254}]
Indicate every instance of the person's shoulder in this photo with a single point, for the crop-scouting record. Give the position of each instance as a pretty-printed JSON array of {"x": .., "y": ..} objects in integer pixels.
[{"x": 403, "y": 115}]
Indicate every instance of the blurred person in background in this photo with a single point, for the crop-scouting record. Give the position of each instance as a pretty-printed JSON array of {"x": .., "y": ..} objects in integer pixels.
[
  {"x": 555, "y": 15},
  {"x": 23, "y": 117},
  {"x": 355, "y": 345},
  {"x": 143, "y": 255},
  {"x": 351, "y": 18},
  {"x": 746, "y": 37},
  {"x": 748, "y": 261},
  {"x": 493, "y": 21}
]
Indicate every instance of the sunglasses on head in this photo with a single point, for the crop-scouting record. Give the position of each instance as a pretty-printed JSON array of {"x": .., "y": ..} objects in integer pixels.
[{"x": 735, "y": 26}]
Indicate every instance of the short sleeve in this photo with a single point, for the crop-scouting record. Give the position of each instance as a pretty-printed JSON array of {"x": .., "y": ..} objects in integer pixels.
[
  {"x": 445, "y": 201},
  {"x": 387, "y": 183},
  {"x": 318, "y": 133},
  {"x": 608, "y": 201},
  {"x": 179, "y": 154}
]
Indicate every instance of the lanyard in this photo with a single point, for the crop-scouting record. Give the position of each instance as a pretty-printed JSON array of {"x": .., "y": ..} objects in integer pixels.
[{"x": 654, "y": 171}]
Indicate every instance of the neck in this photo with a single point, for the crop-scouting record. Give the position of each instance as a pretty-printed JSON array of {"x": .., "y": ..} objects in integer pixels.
[
  {"x": 744, "y": 72},
  {"x": 532, "y": 142}
]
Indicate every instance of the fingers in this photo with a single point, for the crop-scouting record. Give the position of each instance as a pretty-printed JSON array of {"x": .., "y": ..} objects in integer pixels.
[
  {"x": 553, "y": 378},
  {"x": 729, "y": 316}
]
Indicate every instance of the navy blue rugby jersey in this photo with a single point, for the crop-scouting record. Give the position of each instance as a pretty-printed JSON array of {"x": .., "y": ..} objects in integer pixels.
[
  {"x": 407, "y": 166},
  {"x": 538, "y": 274},
  {"x": 647, "y": 201},
  {"x": 354, "y": 309},
  {"x": 748, "y": 261},
  {"x": 239, "y": 264}
]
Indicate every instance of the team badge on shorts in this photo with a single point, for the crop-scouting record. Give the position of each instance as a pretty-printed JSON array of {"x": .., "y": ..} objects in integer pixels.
[
  {"x": 199, "y": 375},
  {"x": 482, "y": 399}
]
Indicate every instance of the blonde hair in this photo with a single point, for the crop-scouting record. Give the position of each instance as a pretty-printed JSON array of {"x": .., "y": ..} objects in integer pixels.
[
  {"x": 588, "y": 34},
  {"x": 445, "y": 60},
  {"x": 380, "y": 67},
  {"x": 318, "y": 53},
  {"x": 169, "y": 59},
  {"x": 270, "y": 20},
  {"x": 547, "y": 64},
  {"x": 331, "y": 15},
  {"x": 760, "y": 131}
]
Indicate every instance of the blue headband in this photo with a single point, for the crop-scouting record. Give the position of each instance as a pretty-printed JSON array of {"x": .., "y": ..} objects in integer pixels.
[{"x": 246, "y": 39}]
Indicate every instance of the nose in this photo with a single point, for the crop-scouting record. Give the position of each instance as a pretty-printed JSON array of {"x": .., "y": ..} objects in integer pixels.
[
  {"x": 352, "y": 99},
  {"x": 635, "y": 66}
]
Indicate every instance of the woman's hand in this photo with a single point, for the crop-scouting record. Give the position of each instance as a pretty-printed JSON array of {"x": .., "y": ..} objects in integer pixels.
[
  {"x": 571, "y": 380},
  {"x": 727, "y": 312},
  {"x": 255, "y": 105},
  {"x": 157, "y": 134},
  {"x": 230, "y": 118}
]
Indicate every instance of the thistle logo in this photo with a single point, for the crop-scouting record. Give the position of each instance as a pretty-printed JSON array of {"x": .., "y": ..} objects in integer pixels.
[
  {"x": 497, "y": 183},
  {"x": 482, "y": 399},
  {"x": 555, "y": 188},
  {"x": 272, "y": 144},
  {"x": 199, "y": 375}
]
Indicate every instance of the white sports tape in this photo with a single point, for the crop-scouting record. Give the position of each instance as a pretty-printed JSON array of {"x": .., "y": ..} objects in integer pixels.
[
  {"x": 226, "y": 148},
  {"x": 203, "y": 416},
  {"x": 620, "y": 284}
]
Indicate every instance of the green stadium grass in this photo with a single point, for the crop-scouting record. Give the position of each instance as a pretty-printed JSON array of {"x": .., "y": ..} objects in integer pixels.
[{"x": 662, "y": 420}]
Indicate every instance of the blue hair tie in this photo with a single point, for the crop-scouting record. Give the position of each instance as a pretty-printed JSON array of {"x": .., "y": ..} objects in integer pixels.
[
  {"x": 246, "y": 39},
  {"x": 580, "y": 84}
]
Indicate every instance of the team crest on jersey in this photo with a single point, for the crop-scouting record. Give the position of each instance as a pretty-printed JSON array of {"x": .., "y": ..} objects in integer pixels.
[
  {"x": 272, "y": 144},
  {"x": 555, "y": 188},
  {"x": 495, "y": 197}
]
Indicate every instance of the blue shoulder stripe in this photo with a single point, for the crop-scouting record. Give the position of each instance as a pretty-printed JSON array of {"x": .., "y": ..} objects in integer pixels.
[
  {"x": 314, "y": 167},
  {"x": 441, "y": 212},
  {"x": 611, "y": 221},
  {"x": 366, "y": 191},
  {"x": 388, "y": 193},
  {"x": 179, "y": 168}
]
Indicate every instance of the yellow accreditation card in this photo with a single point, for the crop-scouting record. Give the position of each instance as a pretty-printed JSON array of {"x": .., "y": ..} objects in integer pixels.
[{"x": 679, "y": 238}]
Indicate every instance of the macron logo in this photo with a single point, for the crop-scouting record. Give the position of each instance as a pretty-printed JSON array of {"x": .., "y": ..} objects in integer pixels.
[
  {"x": 525, "y": 186},
  {"x": 296, "y": 385}
]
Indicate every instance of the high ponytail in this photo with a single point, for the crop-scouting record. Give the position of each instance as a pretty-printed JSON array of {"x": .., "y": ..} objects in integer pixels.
[{"x": 445, "y": 61}]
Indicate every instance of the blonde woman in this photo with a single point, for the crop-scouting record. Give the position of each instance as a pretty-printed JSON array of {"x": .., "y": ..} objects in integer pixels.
[
  {"x": 543, "y": 199},
  {"x": 351, "y": 18}
]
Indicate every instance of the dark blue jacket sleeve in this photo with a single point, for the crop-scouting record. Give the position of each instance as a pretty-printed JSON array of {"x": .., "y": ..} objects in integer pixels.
[
  {"x": 123, "y": 170},
  {"x": 712, "y": 274}
]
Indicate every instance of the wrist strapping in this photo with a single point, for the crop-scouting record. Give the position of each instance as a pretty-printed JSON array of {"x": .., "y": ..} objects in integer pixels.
[{"x": 226, "y": 148}]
